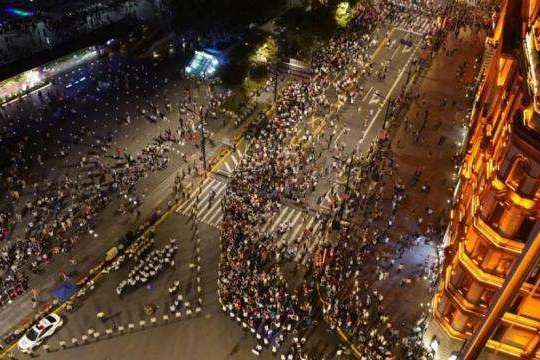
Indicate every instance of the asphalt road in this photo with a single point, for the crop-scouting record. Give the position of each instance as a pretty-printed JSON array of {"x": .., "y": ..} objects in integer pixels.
[{"x": 211, "y": 335}]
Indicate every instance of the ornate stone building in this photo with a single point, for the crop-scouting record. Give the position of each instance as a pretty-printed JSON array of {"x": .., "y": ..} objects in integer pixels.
[{"x": 489, "y": 293}]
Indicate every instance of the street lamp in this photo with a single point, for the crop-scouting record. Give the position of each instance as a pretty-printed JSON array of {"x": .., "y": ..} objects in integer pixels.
[
  {"x": 202, "y": 114},
  {"x": 339, "y": 214},
  {"x": 387, "y": 112}
]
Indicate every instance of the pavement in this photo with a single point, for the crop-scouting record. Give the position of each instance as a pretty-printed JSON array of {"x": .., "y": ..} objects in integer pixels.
[
  {"x": 442, "y": 137},
  {"x": 164, "y": 83},
  {"x": 209, "y": 334}
]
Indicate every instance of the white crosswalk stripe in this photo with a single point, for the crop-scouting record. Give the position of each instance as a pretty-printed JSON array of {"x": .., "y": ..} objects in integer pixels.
[
  {"x": 207, "y": 212},
  {"x": 233, "y": 161},
  {"x": 297, "y": 221},
  {"x": 211, "y": 213},
  {"x": 421, "y": 26},
  {"x": 424, "y": 28}
]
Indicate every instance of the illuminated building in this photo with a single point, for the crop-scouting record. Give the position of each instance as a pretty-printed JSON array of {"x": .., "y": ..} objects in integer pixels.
[{"x": 489, "y": 292}]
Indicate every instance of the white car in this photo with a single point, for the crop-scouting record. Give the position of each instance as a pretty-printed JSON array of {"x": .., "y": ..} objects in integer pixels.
[{"x": 37, "y": 333}]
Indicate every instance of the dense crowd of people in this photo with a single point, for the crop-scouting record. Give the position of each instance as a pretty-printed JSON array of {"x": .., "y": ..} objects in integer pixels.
[
  {"x": 252, "y": 285},
  {"x": 362, "y": 259},
  {"x": 371, "y": 255},
  {"x": 46, "y": 216}
]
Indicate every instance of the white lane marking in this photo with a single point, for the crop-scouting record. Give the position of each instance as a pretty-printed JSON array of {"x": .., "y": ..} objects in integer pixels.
[
  {"x": 385, "y": 100},
  {"x": 270, "y": 222},
  {"x": 394, "y": 53},
  {"x": 367, "y": 94},
  {"x": 375, "y": 99}
]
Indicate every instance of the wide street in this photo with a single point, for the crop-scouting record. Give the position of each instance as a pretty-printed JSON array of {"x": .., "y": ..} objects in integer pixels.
[{"x": 197, "y": 327}]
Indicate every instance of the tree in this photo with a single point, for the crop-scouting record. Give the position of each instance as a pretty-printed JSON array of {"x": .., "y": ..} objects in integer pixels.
[{"x": 266, "y": 53}]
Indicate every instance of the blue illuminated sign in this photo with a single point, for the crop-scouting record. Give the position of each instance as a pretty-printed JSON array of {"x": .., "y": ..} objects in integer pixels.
[{"x": 18, "y": 12}]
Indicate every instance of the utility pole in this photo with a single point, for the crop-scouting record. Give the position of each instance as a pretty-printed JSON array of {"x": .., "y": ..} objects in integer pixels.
[
  {"x": 276, "y": 79},
  {"x": 202, "y": 118},
  {"x": 389, "y": 104},
  {"x": 339, "y": 215},
  {"x": 202, "y": 115}
]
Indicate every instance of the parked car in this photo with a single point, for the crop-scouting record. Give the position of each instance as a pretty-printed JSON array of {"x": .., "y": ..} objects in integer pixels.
[{"x": 37, "y": 333}]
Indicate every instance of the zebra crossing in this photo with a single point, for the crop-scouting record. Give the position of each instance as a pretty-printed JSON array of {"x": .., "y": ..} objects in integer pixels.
[
  {"x": 287, "y": 225},
  {"x": 422, "y": 25},
  {"x": 294, "y": 229},
  {"x": 205, "y": 202},
  {"x": 232, "y": 162}
]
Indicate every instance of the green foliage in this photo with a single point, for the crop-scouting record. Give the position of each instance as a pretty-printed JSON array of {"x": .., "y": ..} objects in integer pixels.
[
  {"x": 344, "y": 13},
  {"x": 266, "y": 53}
]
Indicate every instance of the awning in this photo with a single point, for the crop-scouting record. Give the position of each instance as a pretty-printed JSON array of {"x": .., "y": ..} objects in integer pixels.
[{"x": 64, "y": 291}]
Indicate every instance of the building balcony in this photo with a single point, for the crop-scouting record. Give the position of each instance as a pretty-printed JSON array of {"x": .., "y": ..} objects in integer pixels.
[
  {"x": 444, "y": 321},
  {"x": 496, "y": 239},
  {"x": 510, "y": 321},
  {"x": 466, "y": 306},
  {"x": 513, "y": 195},
  {"x": 482, "y": 276}
]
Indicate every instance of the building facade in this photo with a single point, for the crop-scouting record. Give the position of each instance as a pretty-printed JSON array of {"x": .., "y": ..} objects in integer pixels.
[{"x": 496, "y": 211}]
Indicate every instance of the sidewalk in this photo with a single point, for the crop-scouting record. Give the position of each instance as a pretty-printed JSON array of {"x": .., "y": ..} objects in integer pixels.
[{"x": 439, "y": 139}]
